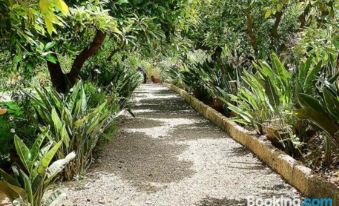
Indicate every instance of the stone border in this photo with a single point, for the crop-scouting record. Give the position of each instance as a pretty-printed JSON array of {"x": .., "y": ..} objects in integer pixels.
[{"x": 293, "y": 171}]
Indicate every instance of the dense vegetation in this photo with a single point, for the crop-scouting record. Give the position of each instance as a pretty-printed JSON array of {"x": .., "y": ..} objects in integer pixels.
[
  {"x": 272, "y": 66},
  {"x": 69, "y": 68}
]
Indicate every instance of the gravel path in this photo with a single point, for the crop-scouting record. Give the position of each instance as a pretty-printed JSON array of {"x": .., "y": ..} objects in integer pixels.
[{"x": 169, "y": 155}]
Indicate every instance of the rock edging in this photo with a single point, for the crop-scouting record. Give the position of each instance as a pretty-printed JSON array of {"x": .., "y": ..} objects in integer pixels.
[{"x": 293, "y": 171}]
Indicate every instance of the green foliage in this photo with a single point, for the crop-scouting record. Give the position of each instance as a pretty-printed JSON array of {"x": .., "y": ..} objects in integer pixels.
[
  {"x": 266, "y": 95},
  {"x": 18, "y": 120},
  {"x": 29, "y": 181},
  {"x": 48, "y": 12},
  {"x": 127, "y": 25},
  {"x": 319, "y": 99},
  {"x": 114, "y": 79},
  {"x": 206, "y": 47},
  {"x": 74, "y": 123},
  {"x": 324, "y": 113}
]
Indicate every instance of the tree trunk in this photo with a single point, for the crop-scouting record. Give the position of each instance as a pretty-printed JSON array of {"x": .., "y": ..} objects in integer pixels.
[
  {"x": 302, "y": 17},
  {"x": 62, "y": 82},
  {"x": 58, "y": 78},
  {"x": 216, "y": 56},
  {"x": 250, "y": 31},
  {"x": 274, "y": 32},
  {"x": 79, "y": 61}
]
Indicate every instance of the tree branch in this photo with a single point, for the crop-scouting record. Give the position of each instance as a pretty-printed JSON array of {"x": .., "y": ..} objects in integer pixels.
[
  {"x": 58, "y": 78},
  {"x": 84, "y": 55},
  {"x": 274, "y": 32}
]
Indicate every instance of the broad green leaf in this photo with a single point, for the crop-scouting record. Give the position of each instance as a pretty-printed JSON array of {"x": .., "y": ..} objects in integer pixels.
[
  {"x": 28, "y": 185},
  {"x": 37, "y": 183},
  {"x": 11, "y": 191},
  {"x": 312, "y": 75},
  {"x": 51, "y": 58},
  {"x": 47, "y": 158},
  {"x": 49, "y": 45},
  {"x": 23, "y": 152},
  {"x": 246, "y": 116},
  {"x": 332, "y": 104},
  {"x": 280, "y": 69},
  {"x": 64, "y": 136},
  {"x": 272, "y": 94},
  {"x": 37, "y": 144},
  {"x": 320, "y": 119},
  {"x": 49, "y": 25},
  {"x": 308, "y": 101},
  {"x": 56, "y": 120}
]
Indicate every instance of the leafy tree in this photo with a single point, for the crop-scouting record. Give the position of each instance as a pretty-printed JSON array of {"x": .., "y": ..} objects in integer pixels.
[{"x": 81, "y": 34}]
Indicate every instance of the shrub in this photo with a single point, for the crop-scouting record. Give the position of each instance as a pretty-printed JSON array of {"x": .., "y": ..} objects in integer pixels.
[
  {"x": 266, "y": 102},
  {"x": 73, "y": 122},
  {"x": 29, "y": 181},
  {"x": 117, "y": 80},
  {"x": 19, "y": 119},
  {"x": 320, "y": 104},
  {"x": 266, "y": 95}
]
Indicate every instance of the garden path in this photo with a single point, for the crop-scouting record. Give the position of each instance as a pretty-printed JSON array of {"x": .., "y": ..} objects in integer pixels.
[{"x": 169, "y": 155}]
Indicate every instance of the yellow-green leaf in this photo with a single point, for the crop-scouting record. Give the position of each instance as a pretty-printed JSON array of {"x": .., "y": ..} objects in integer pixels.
[{"x": 62, "y": 6}]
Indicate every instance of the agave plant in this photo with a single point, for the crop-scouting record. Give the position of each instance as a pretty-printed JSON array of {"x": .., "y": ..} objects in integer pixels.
[
  {"x": 73, "y": 123},
  {"x": 173, "y": 75},
  {"x": 194, "y": 78},
  {"x": 36, "y": 171}
]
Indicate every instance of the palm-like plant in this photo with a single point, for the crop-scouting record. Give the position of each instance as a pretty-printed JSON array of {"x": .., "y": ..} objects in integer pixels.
[{"x": 29, "y": 181}]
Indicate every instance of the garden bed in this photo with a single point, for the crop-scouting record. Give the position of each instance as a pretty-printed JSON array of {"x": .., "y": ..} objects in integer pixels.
[{"x": 293, "y": 171}]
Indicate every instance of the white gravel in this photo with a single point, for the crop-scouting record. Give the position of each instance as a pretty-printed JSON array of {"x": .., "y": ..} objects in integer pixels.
[{"x": 171, "y": 156}]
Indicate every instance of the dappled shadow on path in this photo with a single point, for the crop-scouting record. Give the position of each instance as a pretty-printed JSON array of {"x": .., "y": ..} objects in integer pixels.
[
  {"x": 141, "y": 123},
  {"x": 144, "y": 161},
  {"x": 199, "y": 129},
  {"x": 170, "y": 155}
]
